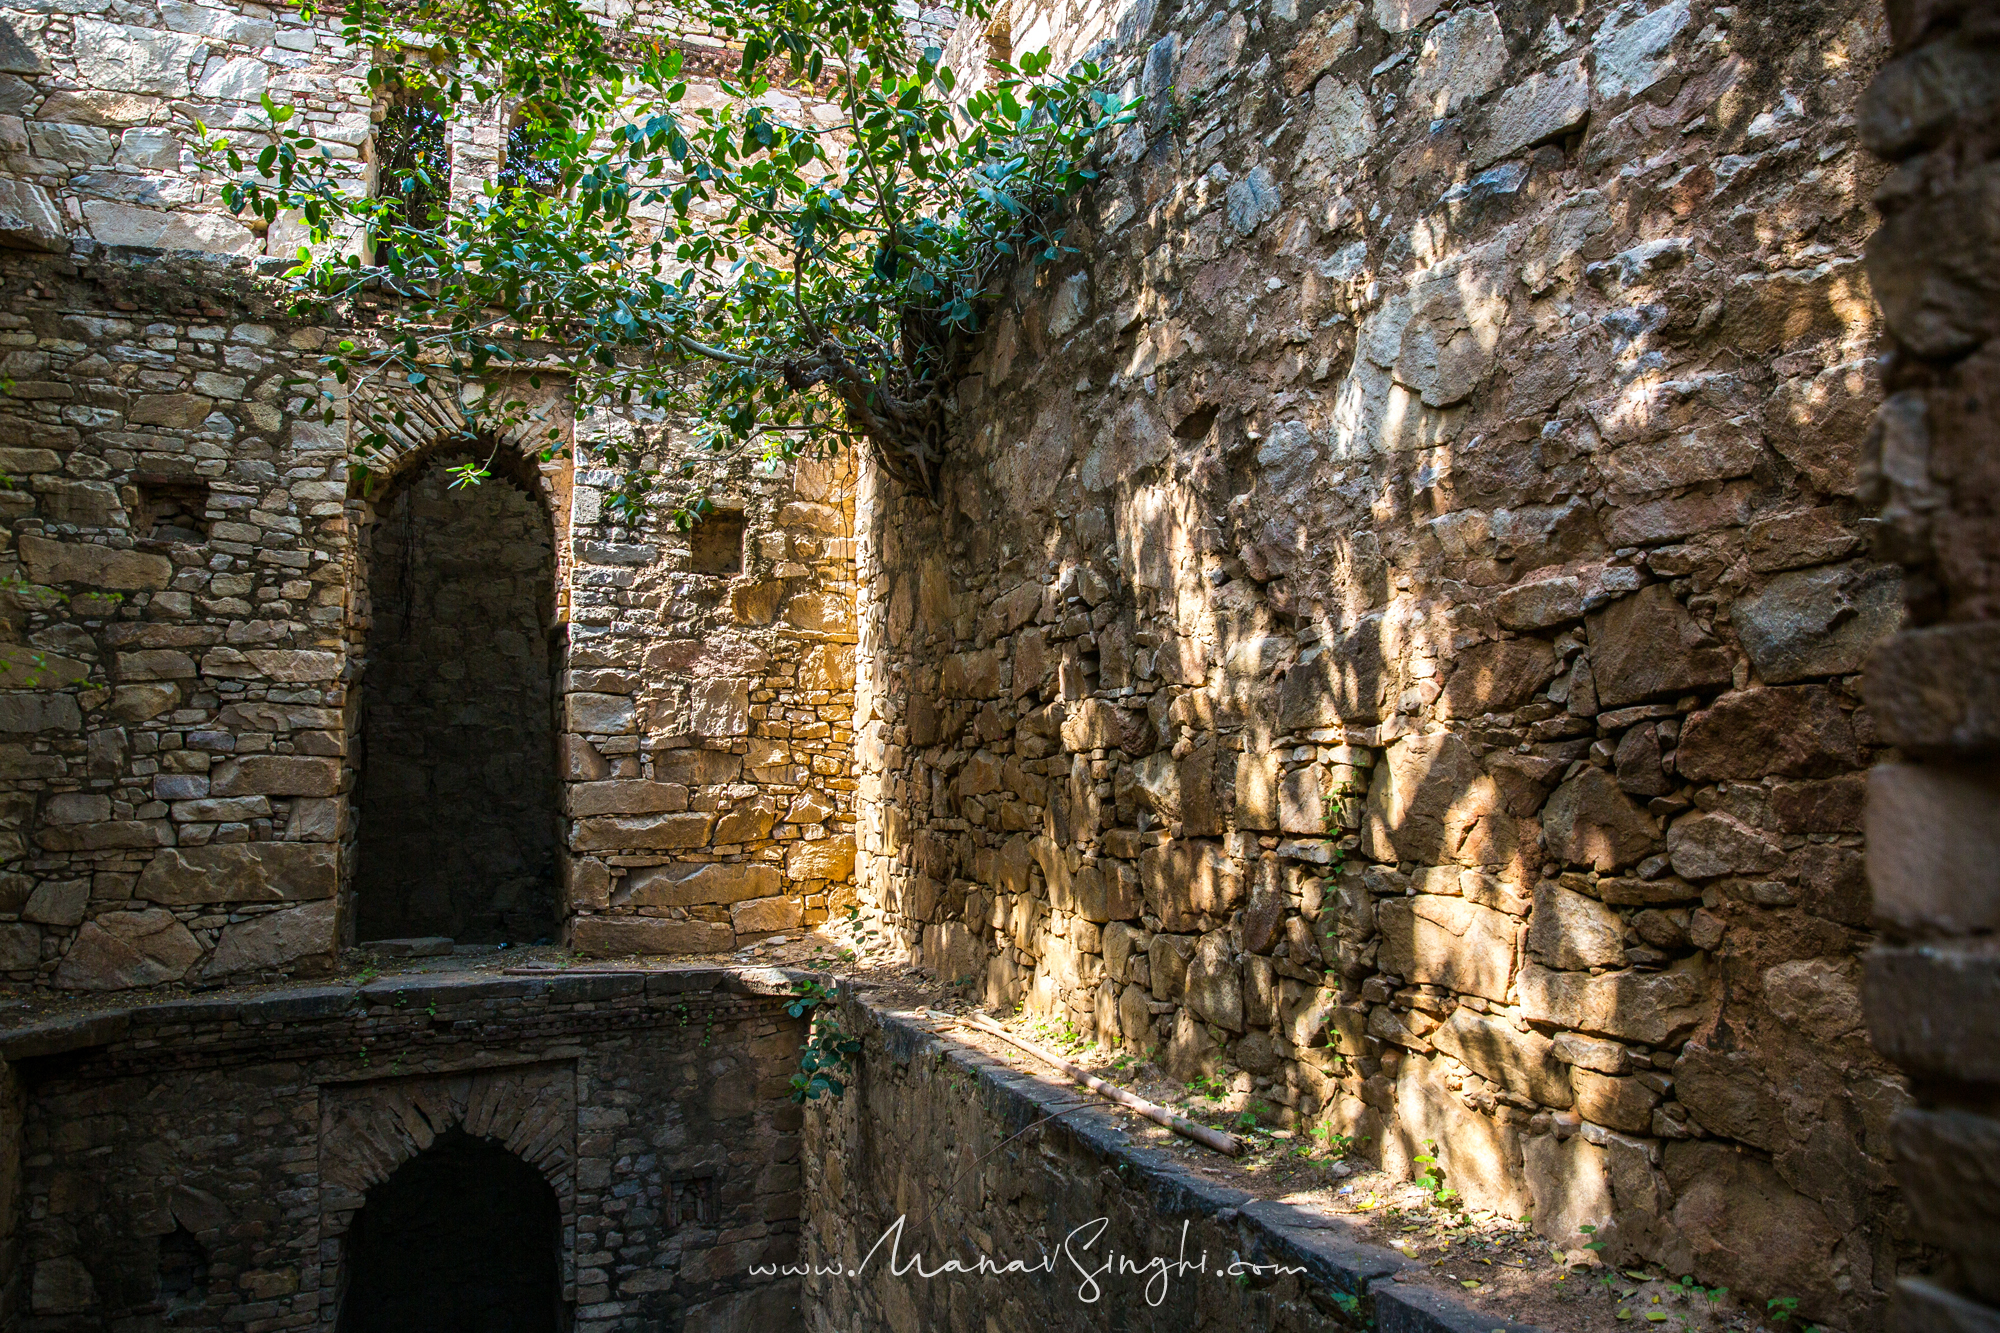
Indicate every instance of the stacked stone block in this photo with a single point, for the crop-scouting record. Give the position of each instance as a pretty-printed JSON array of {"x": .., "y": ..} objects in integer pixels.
[{"x": 1934, "y": 814}]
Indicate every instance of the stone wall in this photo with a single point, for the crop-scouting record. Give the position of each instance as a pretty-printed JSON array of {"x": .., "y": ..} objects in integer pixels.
[
  {"x": 183, "y": 704},
  {"x": 980, "y": 1161},
  {"x": 457, "y": 794},
  {"x": 654, "y": 1106},
  {"x": 1933, "y": 987},
  {"x": 1392, "y": 634}
]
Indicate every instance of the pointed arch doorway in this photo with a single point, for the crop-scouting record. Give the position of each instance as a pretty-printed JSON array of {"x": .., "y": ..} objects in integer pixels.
[{"x": 464, "y": 1237}]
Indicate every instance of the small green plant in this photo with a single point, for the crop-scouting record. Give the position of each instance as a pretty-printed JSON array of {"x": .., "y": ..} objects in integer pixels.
[
  {"x": 827, "y": 1051},
  {"x": 1210, "y": 1086},
  {"x": 1782, "y": 1309},
  {"x": 1431, "y": 1180}
]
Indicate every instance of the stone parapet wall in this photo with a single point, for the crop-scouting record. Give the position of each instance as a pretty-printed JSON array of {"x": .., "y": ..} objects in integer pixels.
[
  {"x": 982, "y": 1162},
  {"x": 1931, "y": 472},
  {"x": 653, "y": 1104},
  {"x": 1393, "y": 633}
]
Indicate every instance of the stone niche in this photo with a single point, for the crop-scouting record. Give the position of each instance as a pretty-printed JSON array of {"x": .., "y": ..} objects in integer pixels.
[{"x": 255, "y": 1162}]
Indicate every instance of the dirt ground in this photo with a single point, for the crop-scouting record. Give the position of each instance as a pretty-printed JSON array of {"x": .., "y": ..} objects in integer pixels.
[{"x": 1496, "y": 1264}]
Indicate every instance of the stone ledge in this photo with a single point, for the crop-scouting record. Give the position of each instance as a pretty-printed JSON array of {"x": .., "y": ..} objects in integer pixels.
[
  {"x": 1334, "y": 1256},
  {"x": 57, "y": 1035},
  {"x": 75, "y": 1032}
]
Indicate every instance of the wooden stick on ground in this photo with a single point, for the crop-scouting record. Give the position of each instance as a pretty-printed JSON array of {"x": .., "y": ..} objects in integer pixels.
[{"x": 1227, "y": 1144}]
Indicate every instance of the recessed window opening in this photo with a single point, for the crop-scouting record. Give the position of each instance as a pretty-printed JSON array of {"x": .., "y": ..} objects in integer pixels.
[
  {"x": 173, "y": 511},
  {"x": 465, "y": 1237},
  {"x": 1000, "y": 42},
  {"x": 526, "y": 164},
  {"x": 457, "y": 799},
  {"x": 412, "y": 163},
  {"x": 716, "y": 542},
  {"x": 183, "y": 1275}
]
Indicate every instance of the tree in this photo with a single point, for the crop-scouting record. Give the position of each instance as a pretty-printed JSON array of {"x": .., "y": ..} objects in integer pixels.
[{"x": 782, "y": 280}]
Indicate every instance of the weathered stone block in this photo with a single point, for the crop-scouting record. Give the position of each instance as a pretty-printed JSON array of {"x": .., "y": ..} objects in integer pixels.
[
  {"x": 602, "y": 935},
  {"x": 1606, "y": 1057},
  {"x": 1799, "y": 731},
  {"x": 1934, "y": 688},
  {"x": 1257, "y": 790},
  {"x": 58, "y": 902},
  {"x": 32, "y": 711},
  {"x": 109, "y": 834},
  {"x": 1570, "y": 1180},
  {"x": 1934, "y": 1009},
  {"x": 240, "y": 872},
  {"x": 1591, "y": 821},
  {"x": 275, "y": 775},
  {"x": 666, "y": 832},
  {"x": 1524, "y": 1063},
  {"x": 764, "y": 915},
  {"x": 1819, "y": 622},
  {"x": 821, "y": 858},
  {"x": 1646, "y": 646},
  {"x": 54, "y": 562},
  {"x": 1934, "y": 847},
  {"x": 1168, "y": 957},
  {"x": 602, "y": 714},
  {"x": 1546, "y": 105},
  {"x": 719, "y": 707},
  {"x": 21, "y": 946},
  {"x": 1432, "y": 802},
  {"x": 1712, "y": 843},
  {"x": 1448, "y": 942},
  {"x": 1619, "y": 1103},
  {"x": 1651, "y": 1007},
  {"x": 629, "y": 796},
  {"x": 1215, "y": 982},
  {"x": 124, "y": 949},
  {"x": 1187, "y": 879},
  {"x": 276, "y": 940},
  {"x": 1494, "y": 677},
  {"x": 688, "y": 885},
  {"x": 1571, "y": 933}
]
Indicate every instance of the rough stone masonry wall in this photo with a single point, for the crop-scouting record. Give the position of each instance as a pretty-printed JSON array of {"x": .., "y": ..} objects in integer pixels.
[
  {"x": 1393, "y": 631},
  {"x": 654, "y": 1106},
  {"x": 1932, "y": 472}
]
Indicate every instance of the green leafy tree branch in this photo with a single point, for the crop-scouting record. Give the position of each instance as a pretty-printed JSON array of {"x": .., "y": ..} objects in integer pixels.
[{"x": 796, "y": 266}]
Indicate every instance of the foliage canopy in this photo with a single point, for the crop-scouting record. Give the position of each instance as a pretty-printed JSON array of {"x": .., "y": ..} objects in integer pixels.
[{"x": 795, "y": 264}]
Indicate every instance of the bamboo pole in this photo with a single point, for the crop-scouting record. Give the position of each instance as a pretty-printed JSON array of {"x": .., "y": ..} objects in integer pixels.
[{"x": 1227, "y": 1144}]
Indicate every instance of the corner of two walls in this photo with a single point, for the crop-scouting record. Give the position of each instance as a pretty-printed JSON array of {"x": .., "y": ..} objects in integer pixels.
[{"x": 1392, "y": 635}]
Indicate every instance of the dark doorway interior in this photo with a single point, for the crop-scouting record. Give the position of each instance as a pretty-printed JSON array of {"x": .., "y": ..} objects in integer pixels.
[
  {"x": 463, "y": 1238},
  {"x": 458, "y": 784}
]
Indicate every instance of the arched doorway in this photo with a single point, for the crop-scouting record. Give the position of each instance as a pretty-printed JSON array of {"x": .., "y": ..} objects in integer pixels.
[
  {"x": 457, "y": 794},
  {"x": 463, "y": 1238}
]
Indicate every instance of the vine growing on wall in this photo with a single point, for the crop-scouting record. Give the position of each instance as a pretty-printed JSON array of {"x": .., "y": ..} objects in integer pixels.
[
  {"x": 827, "y": 1055},
  {"x": 796, "y": 266}
]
